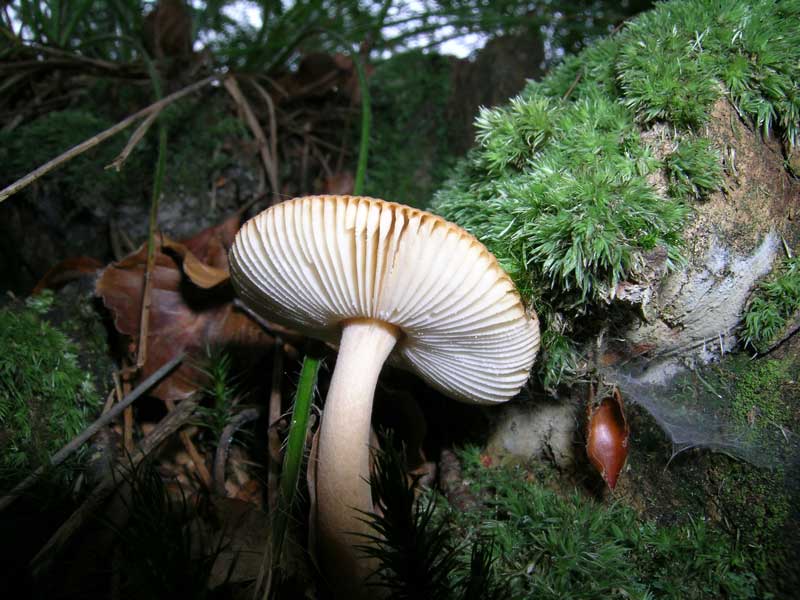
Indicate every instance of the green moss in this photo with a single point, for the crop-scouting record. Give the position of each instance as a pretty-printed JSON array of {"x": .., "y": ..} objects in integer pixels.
[
  {"x": 45, "y": 396},
  {"x": 558, "y": 187},
  {"x": 759, "y": 392},
  {"x": 408, "y": 154},
  {"x": 774, "y": 302},
  {"x": 197, "y": 133},
  {"x": 551, "y": 546},
  {"x": 82, "y": 179},
  {"x": 757, "y": 507},
  {"x": 693, "y": 169}
]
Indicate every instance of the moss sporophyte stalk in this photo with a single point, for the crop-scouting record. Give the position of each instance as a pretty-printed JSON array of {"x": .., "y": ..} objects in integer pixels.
[{"x": 561, "y": 185}]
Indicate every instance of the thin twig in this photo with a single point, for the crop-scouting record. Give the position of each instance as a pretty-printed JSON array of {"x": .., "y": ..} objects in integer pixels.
[
  {"x": 225, "y": 439},
  {"x": 574, "y": 83},
  {"x": 101, "y": 137},
  {"x": 261, "y": 139},
  {"x": 127, "y": 414},
  {"x": 60, "y": 456},
  {"x": 273, "y": 132},
  {"x": 147, "y": 292},
  {"x": 137, "y": 136},
  {"x": 88, "y": 510},
  {"x": 79, "y": 58},
  {"x": 197, "y": 458}
]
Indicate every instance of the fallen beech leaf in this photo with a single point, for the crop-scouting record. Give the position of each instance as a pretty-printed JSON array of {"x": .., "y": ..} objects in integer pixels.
[
  {"x": 66, "y": 271},
  {"x": 607, "y": 440},
  {"x": 201, "y": 274},
  {"x": 183, "y": 316}
]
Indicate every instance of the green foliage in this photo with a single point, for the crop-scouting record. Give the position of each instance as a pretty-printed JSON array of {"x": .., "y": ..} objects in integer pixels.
[
  {"x": 567, "y": 211},
  {"x": 418, "y": 556},
  {"x": 775, "y": 301},
  {"x": 559, "y": 360},
  {"x": 221, "y": 391},
  {"x": 549, "y": 546},
  {"x": 758, "y": 399},
  {"x": 558, "y": 186},
  {"x": 198, "y": 131},
  {"x": 292, "y": 461},
  {"x": 82, "y": 179},
  {"x": 758, "y": 505},
  {"x": 693, "y": 169},
  {"x": 409, "y": 154},
  {"x": 666, "y": 77},
  {"x": 86, "y": 23},
  {"x": 45, "y": 396},
  {"x": 675, "y": 58}
]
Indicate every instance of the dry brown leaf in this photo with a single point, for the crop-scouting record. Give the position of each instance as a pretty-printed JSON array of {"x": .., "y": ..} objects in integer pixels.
[
  {"x": 183, "y": 316},
  {"x": 66, "y": 271},
  {"x": 201, "y": 274}
]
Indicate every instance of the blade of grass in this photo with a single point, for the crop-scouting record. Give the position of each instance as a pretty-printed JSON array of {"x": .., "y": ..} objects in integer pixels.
[
  {"x": 75, "y": 16},
  {"x": 292, "y": 464}
]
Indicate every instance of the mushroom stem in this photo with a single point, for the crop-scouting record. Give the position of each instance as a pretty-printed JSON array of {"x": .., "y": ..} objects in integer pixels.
[{"x": 343, "y": 467}]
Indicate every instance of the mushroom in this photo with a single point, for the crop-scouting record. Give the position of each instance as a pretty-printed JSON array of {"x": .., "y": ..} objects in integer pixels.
[{"x": 382, "y": 280}]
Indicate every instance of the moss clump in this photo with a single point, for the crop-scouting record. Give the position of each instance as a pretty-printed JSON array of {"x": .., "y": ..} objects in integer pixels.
[
  {"x": 408, "y": 155},
  {"x": 550, "y": 546},
  {"x": 198, "y": 133},
  {"x": 558, "y": 186},
  {"x": 758, "y": 399},
  {"x": 757, "y": 505},
  {"x": 693, "y": 169},
  {"x": 45, "y": 396},
  {"x": 774, "y": 303},
  {"x": 83, "y": 180}
]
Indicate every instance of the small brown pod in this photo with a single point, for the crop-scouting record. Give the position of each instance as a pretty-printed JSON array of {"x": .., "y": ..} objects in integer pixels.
[{"x": 607, "y": 436}]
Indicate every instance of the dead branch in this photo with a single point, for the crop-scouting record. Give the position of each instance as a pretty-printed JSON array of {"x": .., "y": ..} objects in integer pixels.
[
  {"x": 144, "y": 126},
  {"x": 168, "y": 425},
  {"x": 261, "y": 139},
  {"x": 60, "y": 456},
  {"x": 101, "y": 137}
]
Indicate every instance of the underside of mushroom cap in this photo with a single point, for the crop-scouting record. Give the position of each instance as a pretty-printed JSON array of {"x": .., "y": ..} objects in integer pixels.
[{"x": 315, "y": 262}]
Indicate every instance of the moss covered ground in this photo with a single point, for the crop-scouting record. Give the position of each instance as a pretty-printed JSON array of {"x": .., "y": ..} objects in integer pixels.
[
  {"x": 46, "y": 395},
  {"x": 552, "y": 542}
]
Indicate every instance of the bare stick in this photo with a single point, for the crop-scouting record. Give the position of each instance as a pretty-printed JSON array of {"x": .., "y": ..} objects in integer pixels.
[
  {"x": 60, "y": 456},
  {"x": 225, "y": 439},
  {"x": 137, "y": 136},
  {"x": 198, "y": 459},
  {"x": 127, "y": 415},
  {"x": 236, "y": 93},
  {"x": 101, "y": 137},
  {"x": 168, "y": 425},
  {"x": 273, "y": 134}
]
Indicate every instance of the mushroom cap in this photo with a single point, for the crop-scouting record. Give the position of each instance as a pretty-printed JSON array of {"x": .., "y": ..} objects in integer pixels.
[{"x": 315, "y": 262}]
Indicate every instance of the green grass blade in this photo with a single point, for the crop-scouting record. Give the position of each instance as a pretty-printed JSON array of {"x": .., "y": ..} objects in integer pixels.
[
  {"x": 78, "y": 12},
  {"x": 293, "y": 457}
]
